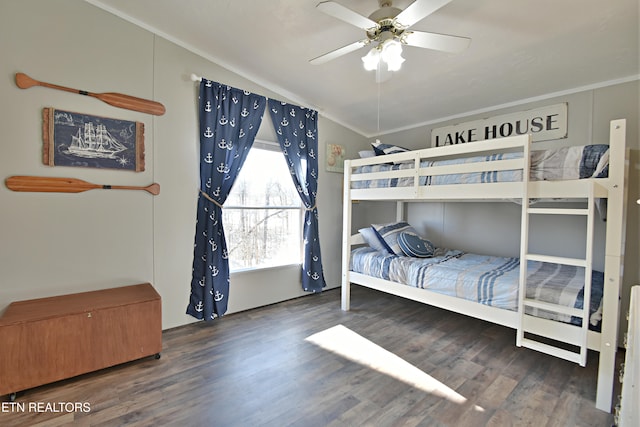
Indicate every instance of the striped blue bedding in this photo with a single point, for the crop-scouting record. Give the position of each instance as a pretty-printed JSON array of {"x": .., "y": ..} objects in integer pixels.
[
  {"x": 488, "y": 280},
  {"x": 577, "y": 162}
]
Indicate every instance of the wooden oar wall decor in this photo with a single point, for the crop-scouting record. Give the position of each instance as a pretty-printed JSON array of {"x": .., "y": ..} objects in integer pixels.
[
  {"x": 116, "y": 99},
  {"x": 67, "y": 185}
]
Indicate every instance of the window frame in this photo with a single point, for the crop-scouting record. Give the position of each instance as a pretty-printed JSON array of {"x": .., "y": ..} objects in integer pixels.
[{"x": 274, "y": 147}]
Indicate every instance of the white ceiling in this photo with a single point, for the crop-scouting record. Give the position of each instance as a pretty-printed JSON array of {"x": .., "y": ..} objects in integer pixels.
[{"x": 520, "y": 50}]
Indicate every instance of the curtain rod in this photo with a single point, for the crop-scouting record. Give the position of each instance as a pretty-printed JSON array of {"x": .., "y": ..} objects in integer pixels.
[{"x": 197, "y": 78}]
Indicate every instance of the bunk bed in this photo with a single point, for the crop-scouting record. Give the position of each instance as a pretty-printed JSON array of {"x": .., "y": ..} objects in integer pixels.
[{"x": 499, "y": 170}]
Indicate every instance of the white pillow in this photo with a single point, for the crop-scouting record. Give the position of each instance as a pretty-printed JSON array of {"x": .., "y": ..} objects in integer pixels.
[
  {"x": 370, "y": 236},
  {"x": 365, "y": 154}
]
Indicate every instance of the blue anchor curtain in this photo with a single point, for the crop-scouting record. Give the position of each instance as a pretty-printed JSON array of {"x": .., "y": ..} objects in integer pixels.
[
  {"x": 297, "y": 133},
  {"x": 229, "y": 121}
]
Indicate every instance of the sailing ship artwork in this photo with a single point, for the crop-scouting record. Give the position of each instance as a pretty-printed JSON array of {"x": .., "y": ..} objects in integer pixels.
[{"x": 82, "y": 140}]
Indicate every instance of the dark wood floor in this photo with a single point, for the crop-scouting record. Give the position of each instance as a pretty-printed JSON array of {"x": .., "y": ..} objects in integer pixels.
[{"x": 387, "y": 362}]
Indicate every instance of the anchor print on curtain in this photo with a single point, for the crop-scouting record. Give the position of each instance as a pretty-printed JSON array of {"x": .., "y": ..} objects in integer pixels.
[
  {"x": 297, "y": 133},
  {"x": 229, "y": 121}
]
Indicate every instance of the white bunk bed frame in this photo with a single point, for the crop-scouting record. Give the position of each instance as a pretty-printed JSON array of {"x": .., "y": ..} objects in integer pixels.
[{"x": 612, "y": 188}]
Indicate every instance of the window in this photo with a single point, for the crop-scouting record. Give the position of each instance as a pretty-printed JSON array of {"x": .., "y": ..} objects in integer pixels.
[{"x": 263, "y": 214}]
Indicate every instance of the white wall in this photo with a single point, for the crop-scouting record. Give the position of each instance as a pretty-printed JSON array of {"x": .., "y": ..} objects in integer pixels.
[
  {"x": 58, "y": 243},
  {"x": 53, "y": 243}
]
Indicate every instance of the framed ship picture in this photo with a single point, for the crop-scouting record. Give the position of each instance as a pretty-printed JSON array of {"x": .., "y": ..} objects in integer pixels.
[{"x": 82, "y": 140}]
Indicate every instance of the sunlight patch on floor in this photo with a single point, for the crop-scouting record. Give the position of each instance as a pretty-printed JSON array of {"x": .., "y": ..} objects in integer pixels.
[{"x": 347, "y": 343}]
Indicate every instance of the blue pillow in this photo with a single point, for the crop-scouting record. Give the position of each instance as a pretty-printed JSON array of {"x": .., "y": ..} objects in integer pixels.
[
  {"x": 388, "y": 235},
  {"x": 415, "y": 246},
  {"x": 382, "y": 149}
]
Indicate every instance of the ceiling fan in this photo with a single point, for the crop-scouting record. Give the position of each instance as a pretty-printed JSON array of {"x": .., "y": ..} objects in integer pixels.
[{"x": 388, "y": 28}]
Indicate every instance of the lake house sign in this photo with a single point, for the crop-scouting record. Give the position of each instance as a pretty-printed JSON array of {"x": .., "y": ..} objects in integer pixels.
[{"x": 542, "y": 123}]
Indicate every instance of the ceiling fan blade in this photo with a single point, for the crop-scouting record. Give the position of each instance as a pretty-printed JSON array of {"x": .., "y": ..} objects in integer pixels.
[
  {"x": 418, "y": 10},
  {"x": 347, "y": 15},
  {"x": 339, "y": 52},
  {"x": 443, "y": 42}
]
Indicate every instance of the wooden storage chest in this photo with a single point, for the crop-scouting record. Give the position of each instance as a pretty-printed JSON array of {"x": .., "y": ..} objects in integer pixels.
[{"x": 50, "y": 339}]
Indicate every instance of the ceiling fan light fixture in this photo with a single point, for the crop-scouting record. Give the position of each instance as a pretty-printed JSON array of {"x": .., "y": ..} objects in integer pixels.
[
  {"x": 388, "y": 52},
  {"x": 395, "y": 64},
  {"x": 392, "y": 54},
  {"x": 391, "y": 48},
  {"x": 371, "y": 59}
]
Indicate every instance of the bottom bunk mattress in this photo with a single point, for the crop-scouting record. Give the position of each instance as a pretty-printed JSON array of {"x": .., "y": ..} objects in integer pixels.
[{"x": 488, "y": 280}]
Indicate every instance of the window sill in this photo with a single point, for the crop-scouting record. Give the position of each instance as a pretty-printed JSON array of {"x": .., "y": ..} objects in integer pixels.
[{"x": 265, "y": 269}]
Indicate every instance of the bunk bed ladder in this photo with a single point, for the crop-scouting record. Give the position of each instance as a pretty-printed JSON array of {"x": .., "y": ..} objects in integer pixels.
[{"x": 526, "y": 321}]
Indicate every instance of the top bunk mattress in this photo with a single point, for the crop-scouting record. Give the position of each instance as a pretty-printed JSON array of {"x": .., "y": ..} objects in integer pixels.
[{"x": 567, "y": 163}]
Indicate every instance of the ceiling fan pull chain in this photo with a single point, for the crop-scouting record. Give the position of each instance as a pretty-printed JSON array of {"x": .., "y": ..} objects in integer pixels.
[{"x": 379, "y": 65}]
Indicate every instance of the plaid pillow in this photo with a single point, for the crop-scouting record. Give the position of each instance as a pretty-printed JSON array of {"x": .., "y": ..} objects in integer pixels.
[{"x": 388, "y": 235}]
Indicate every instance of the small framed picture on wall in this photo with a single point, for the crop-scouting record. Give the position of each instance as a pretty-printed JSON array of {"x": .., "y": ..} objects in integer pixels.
[{"x": 335, "y": 158}]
